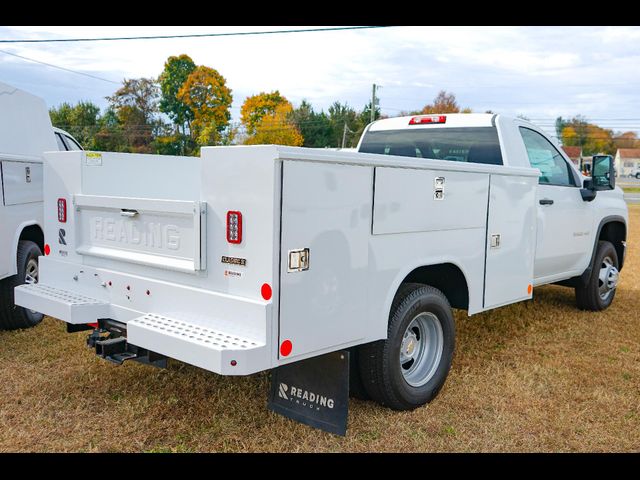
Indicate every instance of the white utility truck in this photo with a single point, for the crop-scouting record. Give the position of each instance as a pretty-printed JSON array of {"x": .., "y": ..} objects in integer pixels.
[
  {"x": 25, "y": 133},
  {"x": 250, "y": 258}
]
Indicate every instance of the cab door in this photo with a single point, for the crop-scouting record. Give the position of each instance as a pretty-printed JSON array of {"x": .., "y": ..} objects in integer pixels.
[{"x": 564, "y": 237}]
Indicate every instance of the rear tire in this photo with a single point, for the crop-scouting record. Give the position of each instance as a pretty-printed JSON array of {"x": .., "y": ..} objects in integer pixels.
[
  {"x": 356, "y": 387},
  {"x": 12, "y": 316},
  {"x": 600, "y": 289},
  {"x": 409, "y": 368}
]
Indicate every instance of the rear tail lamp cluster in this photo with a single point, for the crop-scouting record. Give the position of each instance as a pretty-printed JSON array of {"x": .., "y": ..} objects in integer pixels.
[
  {"x": 421, "y": 120},
  {"x": 234, "y": 227},
  {"x": 62, "y": 210}
]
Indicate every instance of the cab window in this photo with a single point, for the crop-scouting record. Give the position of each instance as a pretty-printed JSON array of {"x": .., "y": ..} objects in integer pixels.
[
  {"x": 71, "y": 143},
  {"x": 469, "y": 144},
  {"x": 554, "y": 170},
  {"x": 61, "y": 146}
]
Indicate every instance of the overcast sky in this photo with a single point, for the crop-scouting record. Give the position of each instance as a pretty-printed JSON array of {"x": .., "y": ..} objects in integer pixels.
[{"x": 539, "y": 72}]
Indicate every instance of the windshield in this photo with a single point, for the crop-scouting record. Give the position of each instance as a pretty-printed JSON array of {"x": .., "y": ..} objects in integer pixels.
[{"x": 471, "y": 144}]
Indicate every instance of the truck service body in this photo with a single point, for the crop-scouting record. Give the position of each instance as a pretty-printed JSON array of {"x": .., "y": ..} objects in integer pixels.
[
  {"x": 25, "y": 134},
  {"x": 249, "y": 258}
]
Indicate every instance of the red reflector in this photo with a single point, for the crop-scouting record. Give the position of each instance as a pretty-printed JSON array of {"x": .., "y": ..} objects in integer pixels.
[
  {"x": 428, "y": 119},
  {"x": 234, "y": 227},
  {"x": 47, "y": 249},
  {"x": 285, "y": 348},
  {"x": 266, "y": 291},
  {"x": 94, "y": 325},
  {"x": 62, "y": 210}
]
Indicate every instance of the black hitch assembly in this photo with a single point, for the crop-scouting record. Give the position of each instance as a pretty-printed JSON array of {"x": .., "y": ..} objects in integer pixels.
[{"x": 110, "y": 343}]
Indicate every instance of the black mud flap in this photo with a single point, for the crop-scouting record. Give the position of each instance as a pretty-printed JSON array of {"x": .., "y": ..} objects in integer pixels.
[{"x": 314, "y": 391}]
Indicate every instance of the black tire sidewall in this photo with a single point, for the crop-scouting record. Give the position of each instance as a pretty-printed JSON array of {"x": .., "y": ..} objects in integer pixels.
[{"x": 427, "y": 301}]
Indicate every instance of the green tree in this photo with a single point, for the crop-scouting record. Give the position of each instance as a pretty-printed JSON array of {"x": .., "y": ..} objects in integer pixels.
[
  {"x": 110, "y": 137},
  {"x": 560, "y": 124},
  {"x": 80, "y": 120},
  {"x": 135, "y": 105},
  {"x": 339, "y": 116},
  {"x": 314, "y": 126},
  {"x": 175, "y": 74},
  {"x": 206, "y": 93}
]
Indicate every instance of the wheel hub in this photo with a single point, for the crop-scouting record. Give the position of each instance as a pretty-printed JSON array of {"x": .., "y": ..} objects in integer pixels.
[
  {"x": 421, "y": 349},
  {"x": 607, "y": 278}
]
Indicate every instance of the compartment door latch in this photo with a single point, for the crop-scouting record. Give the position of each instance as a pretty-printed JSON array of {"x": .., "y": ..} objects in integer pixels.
[{"x": 298, "y": 260}]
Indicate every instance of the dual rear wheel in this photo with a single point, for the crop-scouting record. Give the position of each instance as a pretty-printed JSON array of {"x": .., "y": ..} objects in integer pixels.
[{"x": 409, "y": 368}]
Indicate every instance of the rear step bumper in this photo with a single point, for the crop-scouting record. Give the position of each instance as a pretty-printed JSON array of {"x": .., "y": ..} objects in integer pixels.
[
  {"x": 205, "y": 343},
  {"x": 206, "y": 347},
  {"x": 72, "y": 307}
]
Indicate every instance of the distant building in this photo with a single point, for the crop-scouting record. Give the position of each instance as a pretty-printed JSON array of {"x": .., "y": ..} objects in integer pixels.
[
  {"x": 583, "y": 163},
  {"x": 626, "y": 160},
  {"x": 574, "y": 154}
]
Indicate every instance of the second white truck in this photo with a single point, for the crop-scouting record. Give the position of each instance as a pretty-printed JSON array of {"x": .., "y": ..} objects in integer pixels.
[
  {"x": 264, "y": 257},
  {"x": 25, "y": 134}
]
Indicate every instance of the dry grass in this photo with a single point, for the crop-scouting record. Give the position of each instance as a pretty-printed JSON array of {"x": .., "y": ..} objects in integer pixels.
[{"x": 534, "y": 376}]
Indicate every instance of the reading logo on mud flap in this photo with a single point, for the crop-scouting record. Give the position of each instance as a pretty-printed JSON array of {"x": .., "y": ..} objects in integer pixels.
[{"x": 304, "y": 397}]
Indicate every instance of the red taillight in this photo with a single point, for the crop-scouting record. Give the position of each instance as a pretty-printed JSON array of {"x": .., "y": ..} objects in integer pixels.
[
  {"x": 234, "y": 227},
  {"x": 421, "y": 120},
  {"x": 62, "y": 210}
]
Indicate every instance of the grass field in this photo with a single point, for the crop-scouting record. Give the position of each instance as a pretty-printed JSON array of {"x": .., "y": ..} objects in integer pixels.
[{"x": 534, "y": 376}]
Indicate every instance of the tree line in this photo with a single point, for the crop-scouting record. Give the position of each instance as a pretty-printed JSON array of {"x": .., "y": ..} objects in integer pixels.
[{"x": 188, "y": 106}]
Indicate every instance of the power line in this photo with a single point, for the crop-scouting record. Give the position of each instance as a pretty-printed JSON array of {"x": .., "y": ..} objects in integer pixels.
[
  {"x": 59, "y": 68},
  {"x": 195, "y": 35}
]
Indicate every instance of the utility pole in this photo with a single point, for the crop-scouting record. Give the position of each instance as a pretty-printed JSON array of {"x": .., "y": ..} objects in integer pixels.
[
  {"x": 373, "y": 103},
  {"x": 344, "y": 134}
]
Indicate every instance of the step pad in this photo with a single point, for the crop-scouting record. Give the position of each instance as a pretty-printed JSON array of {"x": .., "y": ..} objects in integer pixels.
[
  {"x": 206, "y": 347},
  {"x": 72, "y": 307}
]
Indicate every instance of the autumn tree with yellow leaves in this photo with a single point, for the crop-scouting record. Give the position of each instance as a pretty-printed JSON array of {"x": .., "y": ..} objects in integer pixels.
[
  {"x": 257, "y": 106},
  {"x": 267, "y": 118},
  {"x": 277, "y": 128},
  {"x": 206, "y": 93}
]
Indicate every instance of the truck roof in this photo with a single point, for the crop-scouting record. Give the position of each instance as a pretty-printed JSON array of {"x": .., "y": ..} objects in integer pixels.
[
  {"x": 452, "y": 120},
  {"x": 25, "y": 127}
]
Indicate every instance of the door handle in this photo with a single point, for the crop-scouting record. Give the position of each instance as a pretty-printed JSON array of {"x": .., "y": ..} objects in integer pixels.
[
  {"x": 128, "y": 213},
  {"x": 546, "y": 201}
]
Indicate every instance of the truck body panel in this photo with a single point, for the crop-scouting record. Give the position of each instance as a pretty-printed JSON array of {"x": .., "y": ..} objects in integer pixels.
[{"x": 131, "y": 251}]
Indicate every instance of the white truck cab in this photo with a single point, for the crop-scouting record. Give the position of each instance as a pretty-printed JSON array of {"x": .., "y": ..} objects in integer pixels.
[
  {"x": 25, "y": 134},
  {"x": 251, "y": 258}
]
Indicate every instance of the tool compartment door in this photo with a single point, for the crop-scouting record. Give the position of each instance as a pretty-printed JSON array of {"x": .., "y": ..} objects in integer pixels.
[
  {"x": 21, "y": 182},
  {"x": 326, "y": 208},
  {"x": 511, "y": 240}
]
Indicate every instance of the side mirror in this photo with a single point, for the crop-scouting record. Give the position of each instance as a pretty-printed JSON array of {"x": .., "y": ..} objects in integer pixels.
[{"x": 603, "y": 173}]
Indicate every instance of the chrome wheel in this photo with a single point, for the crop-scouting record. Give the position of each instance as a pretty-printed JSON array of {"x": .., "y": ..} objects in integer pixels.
[
  {"x": 31, "y": 272},
  {"x": 31, "y": 275},
  {"x": 421, "y": 349},
  {"x": 607, "y": 278}
]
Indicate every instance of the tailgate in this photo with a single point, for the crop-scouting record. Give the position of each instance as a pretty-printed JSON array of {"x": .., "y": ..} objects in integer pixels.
[{"x": 154, "y": 232}]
